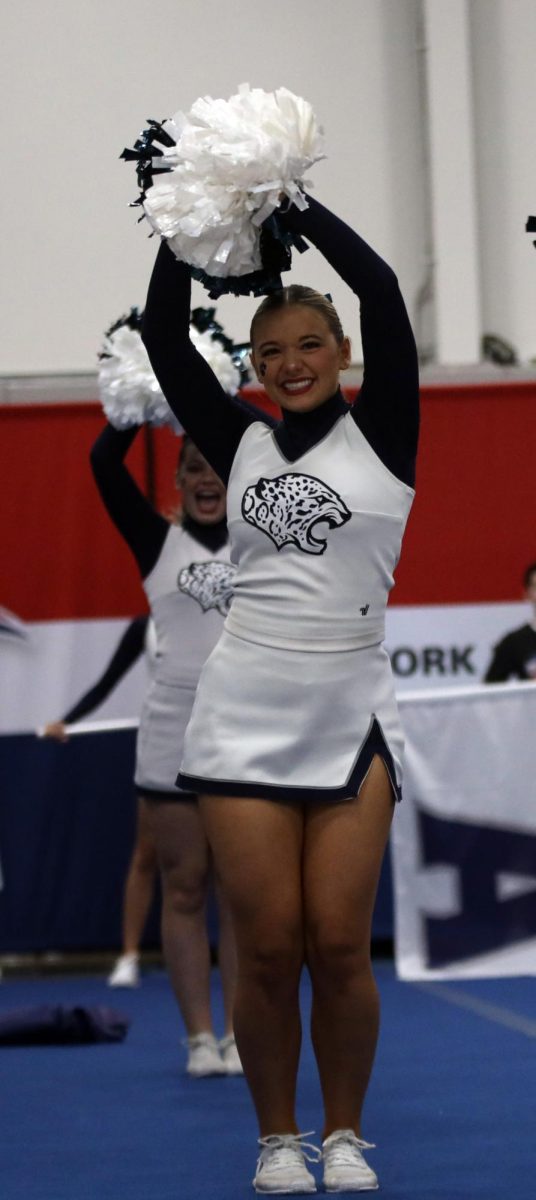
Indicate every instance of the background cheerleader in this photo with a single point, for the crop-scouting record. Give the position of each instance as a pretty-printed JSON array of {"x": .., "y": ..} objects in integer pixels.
[{"x": 187, "y": 578}]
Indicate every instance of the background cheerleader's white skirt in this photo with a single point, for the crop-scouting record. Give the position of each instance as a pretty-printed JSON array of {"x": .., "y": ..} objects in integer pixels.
[
  {"x": 291, "y": 724},
  {"x": 164, "y": 717}
]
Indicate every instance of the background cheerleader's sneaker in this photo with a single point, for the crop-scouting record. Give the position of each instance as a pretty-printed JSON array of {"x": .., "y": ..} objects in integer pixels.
[
  {"x": 204, "y": 1056},
  {"x": 281, "y": 1167},
  {"x": 345, "y": 1169},
  {"x": 230, "y": 1056},
  {"x": 126, "y": 972}
]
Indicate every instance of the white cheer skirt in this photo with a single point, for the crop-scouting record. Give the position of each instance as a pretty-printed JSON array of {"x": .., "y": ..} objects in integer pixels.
[
  {"x": 291, "y": 724},
  {"x": 164, "y": 717}
]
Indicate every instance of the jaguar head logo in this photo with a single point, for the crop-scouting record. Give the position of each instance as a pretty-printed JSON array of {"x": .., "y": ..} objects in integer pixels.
[
  {"x": 210, "y": 583},
  {"x": 290, "y": 508}
]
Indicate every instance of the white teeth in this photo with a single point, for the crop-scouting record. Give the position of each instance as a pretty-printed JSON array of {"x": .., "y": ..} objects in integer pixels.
[{"x": 297, "y": 385}]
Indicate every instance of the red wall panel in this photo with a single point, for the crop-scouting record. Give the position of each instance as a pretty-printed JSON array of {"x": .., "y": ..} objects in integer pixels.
[
  {"x": 471, "y": 532},
  {"x": 472, "y": 529},
  {"x": 61, "y": 555}
]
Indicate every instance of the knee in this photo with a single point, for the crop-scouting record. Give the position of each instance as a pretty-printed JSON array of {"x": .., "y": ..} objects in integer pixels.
[
  {"x": 337, "y": 956},
  {"x": 273, "y": 963},
  {"x": 183, "y": 894}
]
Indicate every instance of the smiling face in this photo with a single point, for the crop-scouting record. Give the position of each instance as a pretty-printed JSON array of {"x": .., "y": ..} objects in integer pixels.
[
  {"x": 203, "y": 494},
  {"x": 297, "y": 357}
]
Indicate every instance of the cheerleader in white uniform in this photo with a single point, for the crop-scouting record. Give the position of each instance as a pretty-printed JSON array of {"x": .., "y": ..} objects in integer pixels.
[
  {"x": 187, "y": 578},
  {"x": 294, "y": 744}
]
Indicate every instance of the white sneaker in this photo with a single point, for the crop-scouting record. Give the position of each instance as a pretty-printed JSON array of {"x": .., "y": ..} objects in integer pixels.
[
  {"x": 126, "y": 972},
  {"x": 281, "y": 1166},
  {"x": 345, "y": 1169},
  {"x": 204, "y": 1057},
  {"x": 230, "y": 1056}
]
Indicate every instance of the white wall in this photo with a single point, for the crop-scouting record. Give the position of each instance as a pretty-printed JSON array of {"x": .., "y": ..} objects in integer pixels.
[
  {"x": 504, "y": 60},
  {"x": 80, "y": 79}
]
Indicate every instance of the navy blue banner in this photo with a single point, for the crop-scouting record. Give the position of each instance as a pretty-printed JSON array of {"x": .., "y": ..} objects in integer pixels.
[{"x": 67, "y": 827}]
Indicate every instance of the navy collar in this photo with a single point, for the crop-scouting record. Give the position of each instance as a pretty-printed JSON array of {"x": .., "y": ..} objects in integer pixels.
[
  {"x": 213, "y": 537},
  {"x": 299, "y": 432}
]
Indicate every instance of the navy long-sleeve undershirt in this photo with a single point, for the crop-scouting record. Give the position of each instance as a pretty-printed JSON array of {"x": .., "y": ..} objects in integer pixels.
[{"x": 143, "y": 529}]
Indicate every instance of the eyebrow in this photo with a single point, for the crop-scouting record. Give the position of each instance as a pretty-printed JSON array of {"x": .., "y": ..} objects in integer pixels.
[{"x": 304, "y": 337}]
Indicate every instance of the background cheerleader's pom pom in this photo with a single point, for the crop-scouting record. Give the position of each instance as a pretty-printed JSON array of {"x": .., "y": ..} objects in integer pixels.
[
  {"x": 225, "y": 370},
  {"x": 210, "y": 179},
  {"x": 129, "y": 390}
]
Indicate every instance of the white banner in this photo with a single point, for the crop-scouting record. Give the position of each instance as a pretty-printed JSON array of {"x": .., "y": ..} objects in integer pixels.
[
  {"x": 45, "y": 666},
  {"x": 443, "y": 645},
  {"x": 464, "y": 837}
]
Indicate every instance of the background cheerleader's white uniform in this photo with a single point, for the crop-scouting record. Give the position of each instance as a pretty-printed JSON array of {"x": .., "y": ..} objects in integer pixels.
[
  {"x": 288, "y": 696},
  {"x": 189, "y": 591}
]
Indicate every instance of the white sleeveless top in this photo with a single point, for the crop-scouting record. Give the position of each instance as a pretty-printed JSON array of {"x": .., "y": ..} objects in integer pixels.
[
  {"x": 189, "y": 591},
  {"x": 316, "y": 541},
  {"x": 150, "y": 646}
]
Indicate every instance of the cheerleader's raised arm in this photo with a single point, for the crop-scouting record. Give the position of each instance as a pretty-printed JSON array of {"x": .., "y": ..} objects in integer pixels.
[
  {"x": 214, "y": 421},
  {"x": 387, "y": 411},
  {"x": 143, "y": 529}
]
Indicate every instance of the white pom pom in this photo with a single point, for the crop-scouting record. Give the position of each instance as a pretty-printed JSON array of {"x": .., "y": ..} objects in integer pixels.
[
  {"x": 129, "y": 390},
  {"x": 233, "y": 161},
  {"x": 221, "y": 363}
]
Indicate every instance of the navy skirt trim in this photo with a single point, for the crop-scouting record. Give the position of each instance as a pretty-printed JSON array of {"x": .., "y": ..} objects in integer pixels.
[
  {"x": 374, "y": 744},
  {"x": 176, "y": 797}
]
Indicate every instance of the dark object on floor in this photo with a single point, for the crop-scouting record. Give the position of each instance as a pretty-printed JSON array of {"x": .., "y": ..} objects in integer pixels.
[{"x": 58, "y": 1025}]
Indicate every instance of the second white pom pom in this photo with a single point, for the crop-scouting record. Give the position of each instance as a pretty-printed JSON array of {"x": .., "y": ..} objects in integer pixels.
[{"x": 129, "y": 390}]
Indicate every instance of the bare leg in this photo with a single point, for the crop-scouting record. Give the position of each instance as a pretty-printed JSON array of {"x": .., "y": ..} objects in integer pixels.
[
  {"x": 139, "y": 884},
  {"x": 227, "y": 961},
  {"x": 344, "y": 846},
  {"x": 264, "y": 893},
  {"x": 183, "y": 857}
]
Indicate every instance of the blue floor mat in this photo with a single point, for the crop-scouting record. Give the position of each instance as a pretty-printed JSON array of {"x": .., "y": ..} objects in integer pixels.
[{"x": 451, "y": 1104}]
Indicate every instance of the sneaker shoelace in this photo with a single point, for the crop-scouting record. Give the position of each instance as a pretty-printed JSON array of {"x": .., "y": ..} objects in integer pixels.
[
  {"x": 200, "y": 1039},
  {"x": 342, "y": 1149},
  {"x": 227, "y": 1042},
  {"x": 279, "y": 1144}
]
